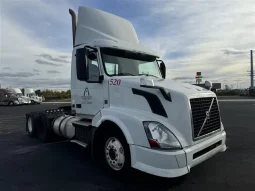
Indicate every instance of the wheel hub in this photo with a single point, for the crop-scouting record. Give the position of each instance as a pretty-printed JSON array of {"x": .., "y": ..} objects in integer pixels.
[
  {"x": 114, "y": 154},
  {"x": 30, "y": 126}
]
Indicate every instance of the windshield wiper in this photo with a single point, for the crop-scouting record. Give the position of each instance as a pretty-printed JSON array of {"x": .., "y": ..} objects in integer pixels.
[
  {"x": 148, "y": 75},
  {"x": 125, "y": 74}
]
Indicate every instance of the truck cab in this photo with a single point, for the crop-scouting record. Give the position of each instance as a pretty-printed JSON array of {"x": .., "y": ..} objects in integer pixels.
[
  {"x": 22, "y": 99},
  {"x": 126, "y": 109},
  {"x": 115, "y": 79},
  {"x": 34, "y": 99},
  {"x": 7, "y": 97}
]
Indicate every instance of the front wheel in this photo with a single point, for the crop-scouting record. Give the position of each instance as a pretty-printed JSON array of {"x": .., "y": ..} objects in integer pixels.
[
  {"x": 32, "y": 102},
  {"x": 11, "y": 103},
  {"x": 116, "y": 153}
]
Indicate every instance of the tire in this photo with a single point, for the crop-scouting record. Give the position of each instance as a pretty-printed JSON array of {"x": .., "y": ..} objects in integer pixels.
[
  {"x": 44, "y": 131},
  {"x": 116, "y": 153},
  {"x": 32, "y": 102},
  {"x": 31, "y": 125},
  {"x": 11, "y": 103}
]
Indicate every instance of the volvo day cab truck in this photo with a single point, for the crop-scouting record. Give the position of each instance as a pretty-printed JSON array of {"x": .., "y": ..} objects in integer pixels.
[
  {"x": 35, "y": 99},
  {"x": 22, "y": 99},
  {"x": 8, "y": 97},
  {"x": 125, "y": 110}
]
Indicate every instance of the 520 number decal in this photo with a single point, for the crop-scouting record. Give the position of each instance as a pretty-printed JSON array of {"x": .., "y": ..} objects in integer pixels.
[{"x": 115, "y": 82}]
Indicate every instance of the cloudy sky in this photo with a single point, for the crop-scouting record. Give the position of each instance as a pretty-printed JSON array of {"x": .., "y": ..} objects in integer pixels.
[{"x": 211, "y": 36}]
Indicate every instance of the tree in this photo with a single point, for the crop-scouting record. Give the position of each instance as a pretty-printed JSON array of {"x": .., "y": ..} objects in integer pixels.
[
  {"x": 227, "y": 87},
  {"x": 38, "y": 92},
  {"x": 22, "y": 90}
]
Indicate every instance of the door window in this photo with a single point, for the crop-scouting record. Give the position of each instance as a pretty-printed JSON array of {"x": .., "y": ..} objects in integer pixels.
[{"x": 93, "y": 71}]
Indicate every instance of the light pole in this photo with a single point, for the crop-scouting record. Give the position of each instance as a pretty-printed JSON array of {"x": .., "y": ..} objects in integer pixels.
[{"x": 237, "y": 83}]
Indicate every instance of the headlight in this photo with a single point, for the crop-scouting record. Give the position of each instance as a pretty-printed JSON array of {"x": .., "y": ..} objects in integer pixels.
[
  {"x": 160, "y": 136},
  {"x": 222, "y": 126}
]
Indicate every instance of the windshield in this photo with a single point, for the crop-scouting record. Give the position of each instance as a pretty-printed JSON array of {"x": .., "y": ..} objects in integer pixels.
[
  {"x": 32, "y": 94},
  {"x": 11, "y": 95},
  {"x": 19, "y": 94},
  {"x": 126, "y": 63}
]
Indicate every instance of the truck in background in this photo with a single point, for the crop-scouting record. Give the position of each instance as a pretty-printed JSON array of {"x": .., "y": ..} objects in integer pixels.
[
  {"x": 125, "y": 110},
  {"x": 8, "y": 97},
  {"x": 35, "y": 99},
  {"x": 22, "y": 99}
]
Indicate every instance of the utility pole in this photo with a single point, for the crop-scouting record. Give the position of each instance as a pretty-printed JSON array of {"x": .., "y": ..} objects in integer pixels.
[{"x": 252, "y": 72}]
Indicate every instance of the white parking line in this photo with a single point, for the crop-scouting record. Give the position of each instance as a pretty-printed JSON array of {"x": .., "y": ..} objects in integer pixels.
[
  {"x": 54, "y": 102},
  {"x": 237, "y": 100}
]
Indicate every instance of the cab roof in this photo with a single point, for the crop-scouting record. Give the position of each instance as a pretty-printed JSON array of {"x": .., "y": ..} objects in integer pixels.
[
  {"x": 99, "y": 28},
  {"x": 6, "y": 91}
]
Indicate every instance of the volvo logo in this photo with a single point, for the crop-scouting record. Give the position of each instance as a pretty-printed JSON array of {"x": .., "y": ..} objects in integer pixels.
[{"x": 207, "y": 113}]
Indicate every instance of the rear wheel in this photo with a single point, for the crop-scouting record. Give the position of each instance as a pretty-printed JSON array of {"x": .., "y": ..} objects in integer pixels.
[
  {"x": 11, "y": 103},
  {"x": 44, "y": 132},
  {"x": 30, "y": 125}
]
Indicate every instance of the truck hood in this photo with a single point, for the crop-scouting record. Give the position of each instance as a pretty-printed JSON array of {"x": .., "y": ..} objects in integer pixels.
[
  {"x": 175, "y": 112},
  {"x": 170, "y": 85}
]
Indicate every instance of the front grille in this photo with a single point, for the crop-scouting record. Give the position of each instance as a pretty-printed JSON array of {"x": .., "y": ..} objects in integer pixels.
[{"x": 199, "y": 108}]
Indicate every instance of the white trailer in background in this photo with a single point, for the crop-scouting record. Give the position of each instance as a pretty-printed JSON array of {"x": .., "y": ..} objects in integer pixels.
[
  {"x": 22, "y": 99},
  {"x": 125, "y": 110},
  {"x": 35, "y": 99}
]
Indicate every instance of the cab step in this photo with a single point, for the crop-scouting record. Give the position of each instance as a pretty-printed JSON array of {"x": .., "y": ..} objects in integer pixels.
[
  {"x": 79, "y": 143},
  {"x": 83, "y": 131}
]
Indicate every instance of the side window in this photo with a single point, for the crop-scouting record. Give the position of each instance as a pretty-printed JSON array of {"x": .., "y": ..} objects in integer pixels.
[
  {"x": 91, "y": 73},
  {"x": 93, "y": 68},
  {"x": 111, "y": 68}
]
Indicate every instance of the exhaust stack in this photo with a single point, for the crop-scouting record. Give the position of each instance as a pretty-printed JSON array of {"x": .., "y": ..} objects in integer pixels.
[{"x": 73, "y": 15}]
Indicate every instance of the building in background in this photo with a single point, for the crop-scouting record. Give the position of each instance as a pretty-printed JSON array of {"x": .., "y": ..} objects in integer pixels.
[{"x": 199, "y": 77}]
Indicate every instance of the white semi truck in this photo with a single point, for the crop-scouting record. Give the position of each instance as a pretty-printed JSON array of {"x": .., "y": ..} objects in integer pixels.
[
  {"x": 35, "y": 99},
  {"x": 125, "y": 110},
  {"x": 22, "y": 99}
]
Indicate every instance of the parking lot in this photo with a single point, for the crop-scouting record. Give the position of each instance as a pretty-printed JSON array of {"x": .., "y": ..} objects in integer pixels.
[{"x": 26, "y": 164}]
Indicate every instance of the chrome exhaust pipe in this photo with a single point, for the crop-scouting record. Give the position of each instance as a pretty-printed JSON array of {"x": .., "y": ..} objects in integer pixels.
[{"x": 74, "y": 24}]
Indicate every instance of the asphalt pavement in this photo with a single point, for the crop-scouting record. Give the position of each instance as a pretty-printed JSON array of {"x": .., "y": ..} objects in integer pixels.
[{"x": 26, "y": 164}]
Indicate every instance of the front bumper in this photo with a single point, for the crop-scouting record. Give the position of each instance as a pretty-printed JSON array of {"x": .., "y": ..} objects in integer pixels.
[
  {"x": 24, "y": 102},
  {"x": 36, "y": 101},
  {"x": 176, "y": 163}
]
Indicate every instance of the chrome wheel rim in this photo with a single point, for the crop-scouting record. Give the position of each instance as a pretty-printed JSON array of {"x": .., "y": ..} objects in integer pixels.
[
  {"x": 114, "y": 153},
  {"x": 29, "y": 124}
]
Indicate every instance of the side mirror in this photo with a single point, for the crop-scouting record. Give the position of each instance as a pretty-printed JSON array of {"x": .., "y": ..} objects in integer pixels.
[
  {"x": 162, "y": 68},
  {"x": 81, "y": 63},
  {"x": 208, "y": 85},
  {"x": 92, "y": 56}
]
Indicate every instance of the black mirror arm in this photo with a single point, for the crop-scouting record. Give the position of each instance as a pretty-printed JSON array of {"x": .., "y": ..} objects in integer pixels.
[
  {"x": 90, "y": 47},
  {"x": 101, "y": 78}
]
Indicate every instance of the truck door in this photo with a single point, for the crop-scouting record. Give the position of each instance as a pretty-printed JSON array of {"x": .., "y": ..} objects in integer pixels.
[
  {"x": 88, "y": 91},
  {"x": 1, "y": 98},
  {"x": 4, "y": 99}
]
